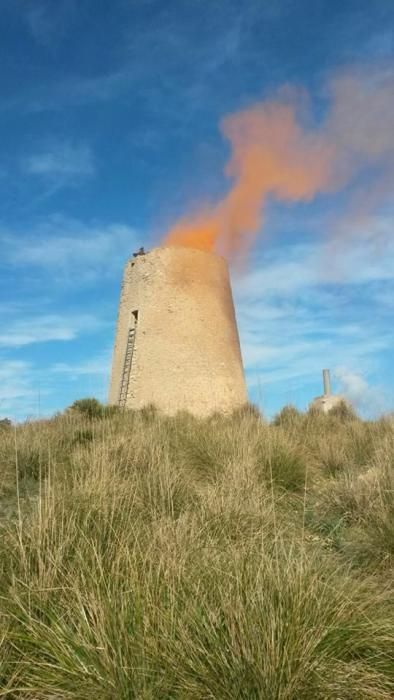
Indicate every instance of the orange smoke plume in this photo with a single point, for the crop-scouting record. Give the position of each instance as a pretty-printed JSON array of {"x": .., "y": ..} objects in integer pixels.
[
  {"x": 274, "y": 157},
  {"x": 271, "y": 156}
]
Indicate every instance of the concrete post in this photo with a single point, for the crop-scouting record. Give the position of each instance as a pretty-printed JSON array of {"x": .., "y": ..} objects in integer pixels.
[{"x": 326, "y": 382}]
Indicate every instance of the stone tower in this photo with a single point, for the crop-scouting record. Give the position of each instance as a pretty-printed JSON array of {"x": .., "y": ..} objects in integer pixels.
[{"x": 177, "y": 344}]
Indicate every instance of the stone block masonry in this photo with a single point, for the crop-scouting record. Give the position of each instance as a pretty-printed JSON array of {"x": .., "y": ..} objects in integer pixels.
[{"x": 177, "y": 343}]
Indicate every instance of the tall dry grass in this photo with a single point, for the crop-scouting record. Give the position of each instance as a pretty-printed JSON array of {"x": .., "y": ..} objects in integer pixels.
[{"x": 171, "y": 558}]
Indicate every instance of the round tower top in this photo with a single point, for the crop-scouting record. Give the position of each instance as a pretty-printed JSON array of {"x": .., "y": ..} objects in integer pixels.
[{"x": 177, "y": 251}]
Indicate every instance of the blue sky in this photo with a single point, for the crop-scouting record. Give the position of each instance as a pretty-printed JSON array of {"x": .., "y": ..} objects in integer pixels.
[{"x": 109, "y": 119}]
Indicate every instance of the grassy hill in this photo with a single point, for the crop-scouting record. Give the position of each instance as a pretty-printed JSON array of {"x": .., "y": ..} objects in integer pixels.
[{"x": 170, "y": 558}]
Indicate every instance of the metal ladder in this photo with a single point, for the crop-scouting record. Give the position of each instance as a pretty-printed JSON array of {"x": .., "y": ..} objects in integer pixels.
[{"x": 127, "y": 367}]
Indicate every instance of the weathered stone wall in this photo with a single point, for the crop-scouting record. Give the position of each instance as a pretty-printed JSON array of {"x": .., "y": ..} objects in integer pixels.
[{"x": 186, "y": 353}]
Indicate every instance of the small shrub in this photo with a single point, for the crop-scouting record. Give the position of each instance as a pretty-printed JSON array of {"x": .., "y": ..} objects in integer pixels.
[
  {"x": 205, "y": 456},
  {"x": 110, "y": 411},
  {"x": 287, "y": 416},
  {"x": 5, "y": 424},
  {"x": 281, "y": 461},
  {"x": 148, "y": 413},
  {"x": 346, "y": 497},
  {"x": 30, "y": 464},
  {"x": 377, "y": 518},
  {"x": 248, "y": 410},
  {"x": 82, "y": 437},
  {"x": 333, "y": 457},
  {"x": 90, "y": 408},
  {"x": 344, "y": 411}
]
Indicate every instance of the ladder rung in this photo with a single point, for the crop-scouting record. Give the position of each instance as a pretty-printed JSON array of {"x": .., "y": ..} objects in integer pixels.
[{"x": 124, "y": 385}]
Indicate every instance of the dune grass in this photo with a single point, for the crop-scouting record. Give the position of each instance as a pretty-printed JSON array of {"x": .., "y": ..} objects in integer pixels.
[{"x": 173, "y": 558}]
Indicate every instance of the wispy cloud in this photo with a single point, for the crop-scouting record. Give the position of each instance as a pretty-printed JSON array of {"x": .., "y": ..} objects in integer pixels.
[
  {"x": 42, "y": 329},
  {"x": 364, "y": 397},
  {"x": 286, "y": 270},
  {"x": 295, "y": 317},
  {"x": 39, "y": 22},
  {"x": 18, "y": 395},
  {"x": 74, "y": 91},
  {"x": 28, "y": 390},
  {"x": 68, "y": 250},
  {"x": 47, "y": 21},
  {"x": 96, "y": 366},
  {"x": 63, "y": 161},
  {"x": 164, "y": 38}
]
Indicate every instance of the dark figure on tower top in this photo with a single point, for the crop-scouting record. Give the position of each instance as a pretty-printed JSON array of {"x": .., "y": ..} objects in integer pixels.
[{"x": 140, "y": 251}]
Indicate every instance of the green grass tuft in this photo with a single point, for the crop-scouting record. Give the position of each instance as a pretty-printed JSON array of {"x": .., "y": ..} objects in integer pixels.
[{"x": 146, "y": 557}]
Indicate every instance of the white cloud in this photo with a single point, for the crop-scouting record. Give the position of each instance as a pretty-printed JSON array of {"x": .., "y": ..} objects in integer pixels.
[
  {"x": 354, "y": 385},
  {"x": 364, "y": 397}
]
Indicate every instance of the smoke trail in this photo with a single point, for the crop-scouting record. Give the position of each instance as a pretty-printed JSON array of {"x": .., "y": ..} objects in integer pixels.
[
  {"x": 274, "y": 156},
  {"x": 360, "y": 125},
  {"x": 271, "y": 156}
]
